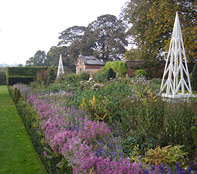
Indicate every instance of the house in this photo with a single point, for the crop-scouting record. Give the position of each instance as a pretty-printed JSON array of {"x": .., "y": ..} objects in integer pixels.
[{"x": 88, "y": 64}]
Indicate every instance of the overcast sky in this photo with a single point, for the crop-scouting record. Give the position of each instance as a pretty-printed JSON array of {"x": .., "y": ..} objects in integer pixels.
[{"x": 30, "y": 25}]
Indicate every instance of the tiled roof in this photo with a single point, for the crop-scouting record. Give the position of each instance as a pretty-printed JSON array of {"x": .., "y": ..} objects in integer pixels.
[{"x": 91, "y": 60}]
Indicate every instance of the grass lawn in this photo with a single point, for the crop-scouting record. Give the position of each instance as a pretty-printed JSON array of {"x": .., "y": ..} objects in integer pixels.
[{"x": 17, "y": 155}]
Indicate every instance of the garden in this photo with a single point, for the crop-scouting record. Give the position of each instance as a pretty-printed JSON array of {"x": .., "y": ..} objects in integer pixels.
[{"x": 109, "y": 124}]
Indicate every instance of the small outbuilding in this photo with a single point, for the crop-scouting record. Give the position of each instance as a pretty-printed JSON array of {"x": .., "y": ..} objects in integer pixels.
[{"x": 88, "y": 64}]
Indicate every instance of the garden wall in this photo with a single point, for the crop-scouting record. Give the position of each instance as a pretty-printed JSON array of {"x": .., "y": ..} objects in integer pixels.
[{"x": 153, "y": 69}]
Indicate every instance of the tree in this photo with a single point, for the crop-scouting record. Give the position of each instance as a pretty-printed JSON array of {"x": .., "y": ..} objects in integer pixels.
[
  {"x": 38, "y": 59},
  {"x": 68, "y": 36},
  {"x": 53, "y": 56},
  {"x": 72, "y": 38},
  {"x": 152, "y": 24},
  {"x": 105, "y": 38}
]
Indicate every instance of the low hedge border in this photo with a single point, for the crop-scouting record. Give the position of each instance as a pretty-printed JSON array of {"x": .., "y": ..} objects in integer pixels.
[{"x": 29, "y": 117}]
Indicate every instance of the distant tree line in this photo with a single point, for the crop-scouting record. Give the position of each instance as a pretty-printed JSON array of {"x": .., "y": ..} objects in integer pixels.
[
  {"x": 104, "y": 38},
  {"x": 146, "y": 24}
]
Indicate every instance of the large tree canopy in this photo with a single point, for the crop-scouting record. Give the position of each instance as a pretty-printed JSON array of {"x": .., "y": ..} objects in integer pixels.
[
  {"x": 68, "y": 36},
  {"x": 38, "y": 59},
  {"x": 152, "y": 24},
  {"x": 105, "y": 38}
]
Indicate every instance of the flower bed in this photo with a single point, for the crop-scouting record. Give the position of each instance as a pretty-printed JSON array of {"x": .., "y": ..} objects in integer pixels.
[
  {"x": 120, "y": 121},
  {"x": 85, "y": 143}
]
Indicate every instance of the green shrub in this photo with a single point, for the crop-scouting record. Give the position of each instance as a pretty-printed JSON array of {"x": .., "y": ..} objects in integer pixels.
[
  {"x": 2, "y": 76},
  {"x": 140, "y": 73},
  {"x": 52, "y": 72},
  {"x": 71, "y": 78},
  {"x": 84, "y": 76},
  {"x": 169, "y": 155},
  {"x": 100, "y": 76},
  {"x": 143, "y": 144},
  {"x": 194, "y": 133},
  {"x": 11, "y": 80},
  {"x": 155, "y": 84},
  {"x": 194, "y": 77},
  {"x": 97, "y": 108},
  {"x": 119, "y": 67},
  {"x": 17, "y": 95}
]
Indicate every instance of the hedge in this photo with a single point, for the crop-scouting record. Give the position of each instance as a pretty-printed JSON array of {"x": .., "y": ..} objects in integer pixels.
[
  {"x": 29, "y": 117},
  {"x": 22, "y": 74},
  {"x": 2, "y": 76}
]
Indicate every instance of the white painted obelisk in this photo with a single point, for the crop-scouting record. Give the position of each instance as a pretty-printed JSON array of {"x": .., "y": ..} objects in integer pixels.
[
  {"x": 176, "y": 79},
  {"x": 60, "y": 67}
]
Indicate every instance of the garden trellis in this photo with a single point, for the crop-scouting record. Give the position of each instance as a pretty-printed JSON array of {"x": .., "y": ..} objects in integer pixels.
[
  {"x": 60, "y": 67},
  {"x": 176, "y": 79}
]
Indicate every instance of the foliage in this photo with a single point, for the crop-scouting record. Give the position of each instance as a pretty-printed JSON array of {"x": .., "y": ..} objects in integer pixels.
[
  {"x": 74, "y": 78},
  {"x": 72, "y": 135},
  {"x": 24, "y": 90},
  {"x": 42, "y": 76},
  {"x": 48, "y": 76},
  {"x": 68, "y": 36},
  {"x": 194, "y": 77},
  {"x": 52, "y": 72},
  {"x": 133, "y": 112},
  {"x": 100, "y": 76},
  {"x": 119, "y": 67},
  {"x": 136, "y": 144},
  {"x": 24, "y": 75},
  {"x": 38, "y": 59},
  {"x": 53, "y": 56},
  {"x": 140, "y": 72},
  {"x": 155, "y": 84},
  {"x": 84, "y": 75},
  {"x": 24, "y": 71},
  {"x": 105, "y": 38},
  {"x": 11, "y": 80},
  {"x": 175, "y": 127},
  {"x": 194, "y": 134},
  {"x": 110, "y": 74},
  {"x": 49, "y": 159},
  {"x": 152, "y": 25},
  {"x": 169, "y": 155},
  {"x": 17, "y": 95},
  {"x": 2, "y": 76},
  {"x": 97, "y": 108},
  {"x": 136, "y": 111}
]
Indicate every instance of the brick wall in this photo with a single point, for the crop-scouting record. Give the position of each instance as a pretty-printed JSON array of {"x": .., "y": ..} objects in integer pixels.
[
  {"x": 153, "y": 70},
  {"x": 88, "y": 68},
  {"x": 132, "y": 67}
]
